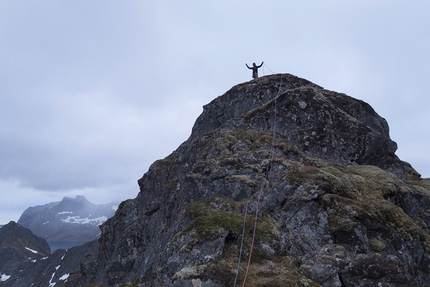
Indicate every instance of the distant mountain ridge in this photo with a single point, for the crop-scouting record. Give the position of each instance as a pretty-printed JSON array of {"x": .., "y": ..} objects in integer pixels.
[
  {"x": 26, "y": 259},
  {"x": 69, "y": 222},
  {"x": 18, "y": 245}
]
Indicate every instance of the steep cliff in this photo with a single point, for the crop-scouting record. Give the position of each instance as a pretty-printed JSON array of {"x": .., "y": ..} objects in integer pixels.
[{"x": 304, "y": 179}]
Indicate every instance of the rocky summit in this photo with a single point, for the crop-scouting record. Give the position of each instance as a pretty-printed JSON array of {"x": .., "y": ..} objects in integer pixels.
[{"x": 281, "y": 183}]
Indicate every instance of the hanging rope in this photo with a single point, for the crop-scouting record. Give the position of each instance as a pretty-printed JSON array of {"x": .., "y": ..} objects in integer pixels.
[
  {"x": 262, "y": 190},
  {"x": 264, "y": 65},
  {"x": 241, "y": 242}
]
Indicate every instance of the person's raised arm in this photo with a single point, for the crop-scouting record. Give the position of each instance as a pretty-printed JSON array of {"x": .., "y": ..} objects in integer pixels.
[
  {"x": 248, "y": 66},
  {"x": 261, "y": 64}
]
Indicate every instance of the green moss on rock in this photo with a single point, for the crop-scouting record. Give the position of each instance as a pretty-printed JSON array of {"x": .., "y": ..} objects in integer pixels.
[{"x": 216, "y": 217}]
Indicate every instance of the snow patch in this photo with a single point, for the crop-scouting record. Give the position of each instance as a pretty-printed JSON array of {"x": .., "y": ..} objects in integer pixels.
[
  {"x": 64, "y": 277},
  {"x": 65, "y": 212},
  {"x": 4, "y": 277},
  {"x": 86, "y": 220},
  {"x": 52, "y": 284},
  {"x": 31, "y": 250}
]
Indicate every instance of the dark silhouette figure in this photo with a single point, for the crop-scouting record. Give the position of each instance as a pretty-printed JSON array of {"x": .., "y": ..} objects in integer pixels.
[{"x": 254, "y": 69}]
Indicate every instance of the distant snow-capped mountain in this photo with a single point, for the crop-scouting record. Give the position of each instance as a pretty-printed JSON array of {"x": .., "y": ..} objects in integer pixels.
[{"x": 67, "y": 223}]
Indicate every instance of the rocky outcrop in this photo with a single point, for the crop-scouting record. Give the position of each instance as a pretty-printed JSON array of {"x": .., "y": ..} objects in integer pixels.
[
  {"x": 18, "y": 245},
  {"x": 69, "y": 222},
  {"x": 304, "y": 179}
]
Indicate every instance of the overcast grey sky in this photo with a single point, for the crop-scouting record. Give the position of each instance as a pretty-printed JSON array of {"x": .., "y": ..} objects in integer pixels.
[{"x": 93, "y": 92}]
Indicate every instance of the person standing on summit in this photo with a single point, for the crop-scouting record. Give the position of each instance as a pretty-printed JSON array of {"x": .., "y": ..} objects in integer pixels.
[{"x": 254, "y": 69}]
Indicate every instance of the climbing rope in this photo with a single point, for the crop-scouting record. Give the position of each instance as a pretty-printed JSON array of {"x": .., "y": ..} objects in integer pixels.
[
  {"x": 262, "y": 190},
  {"x": 253, "y": 233},
  {"x": 265, "y": 66},
  {"x": 241, "y": 242}
]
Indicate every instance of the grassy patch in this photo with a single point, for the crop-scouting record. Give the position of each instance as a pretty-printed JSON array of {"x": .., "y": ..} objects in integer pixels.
[{"x": 213, "y": 217}]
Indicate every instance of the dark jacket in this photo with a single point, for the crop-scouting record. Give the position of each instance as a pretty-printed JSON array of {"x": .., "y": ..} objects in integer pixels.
[{"x": 254, "y": 69}]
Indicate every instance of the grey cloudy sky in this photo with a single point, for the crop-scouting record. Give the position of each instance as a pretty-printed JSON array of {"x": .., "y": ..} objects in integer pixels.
[{"x": 93, "y": 92}]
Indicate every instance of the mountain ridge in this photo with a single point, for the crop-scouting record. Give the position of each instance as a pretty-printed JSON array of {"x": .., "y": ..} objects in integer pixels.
[
  {"x": 26, "y": 259},
  {"x": 327, "y": 200},
  {"x": 18, "y": 245},
  {"x": 322, "y": 163},
  {"x": 69, "y": 222}
]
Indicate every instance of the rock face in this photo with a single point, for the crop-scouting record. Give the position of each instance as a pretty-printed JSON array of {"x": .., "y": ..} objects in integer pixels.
[
  {"x": 67, "y": 223},
  {"x": 322, "y": 124},
  {"x": 304, "y": 179}
]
